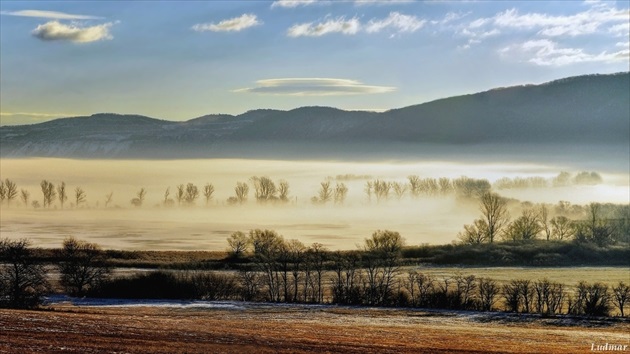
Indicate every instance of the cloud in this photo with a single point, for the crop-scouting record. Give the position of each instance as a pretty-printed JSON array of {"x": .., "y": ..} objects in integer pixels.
[
  {"x": 382, "y": 2},
  {"x": 397, "y": 21},
  {"x": 314, "y": 87},
  {"x": 337, "y": 25},
  {"x": 295, "y": 3},
  {"x": 54, "y": 30},
  {"x": 545, "y": 52},
  {"x": 230, "y": 25},
  {"x": 49, "y": 14}
]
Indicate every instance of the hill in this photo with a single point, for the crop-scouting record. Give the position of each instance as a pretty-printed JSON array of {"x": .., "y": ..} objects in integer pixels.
[{"x": 582, "y": 110}]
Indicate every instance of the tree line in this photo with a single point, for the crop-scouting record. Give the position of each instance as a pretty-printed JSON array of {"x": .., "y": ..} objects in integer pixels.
[{"x": 288, "y": 271}]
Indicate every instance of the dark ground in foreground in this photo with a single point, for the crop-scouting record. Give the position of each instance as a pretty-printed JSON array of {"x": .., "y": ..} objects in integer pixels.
[{"x": 260, "y": 328}]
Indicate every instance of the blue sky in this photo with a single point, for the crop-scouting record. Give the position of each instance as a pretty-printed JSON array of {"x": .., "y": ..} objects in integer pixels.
[{"x": 180, "y": 60}]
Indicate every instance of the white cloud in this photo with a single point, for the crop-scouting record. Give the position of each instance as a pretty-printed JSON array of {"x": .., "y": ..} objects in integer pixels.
[
  {"x": 337, "y": 25},
  {"x": 49, "y": 14},
  {"x": 54, "y": 30},
  {"x": 230, "y": 25},
  {"x": 547, "y": 53},
  {"x": 382, "y": 2},
  {"x": 397, "y": 21},
  {"x": 294, "y": 3},
  {"x": 314, "y": 87}
]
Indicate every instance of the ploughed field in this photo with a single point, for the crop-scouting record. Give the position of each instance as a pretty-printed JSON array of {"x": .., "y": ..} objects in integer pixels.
[{"x": 235, "y": 327}]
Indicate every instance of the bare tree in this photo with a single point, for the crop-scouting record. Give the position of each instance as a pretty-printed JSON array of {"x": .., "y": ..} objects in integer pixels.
[
  {"x": 241, "y": 190},
  {"x": 368, "y": 190},
  {"x": 11, "y": 189},
  {"x": 139, "y": 199},
  {"x": 399, "y": 189},
  {"x": 545, "y": 223},
  {"x": 24, "y": 196},
  {"x": 181, "y": 192},
  {"x": 264, "y": 189},
  {"x": 283, "y": 191},
  {"x": 192, "y": 193},
  {"x": 525, "y": 228},
  {"x": 382, "y": 257},
  {"x": 562, "y": 228},
  {"x": 61, "y": 192},
  {"x": 48, "y": 190},
  {"x": 414, "y": 185},
  {"x": 446, "y": 186},
  {"x": 22, "y": 281},
  {"x": 79, "y": 196},
  {"x": 208, "y": 191},
  {"x": 340, "y": 193},
  {"x": 475, "y": 233},
  {"x": 238, "y": 243},
  {"x": 621, "y": 295},
  {"x": 488, "y": 291},
  {"x": 494, "y": 210},
  {"x": 109, "y": 197},
  {"x": 3, "y": 192},
  {"x": 381, "y": 190},
  {"x": 82, "y": 266}
]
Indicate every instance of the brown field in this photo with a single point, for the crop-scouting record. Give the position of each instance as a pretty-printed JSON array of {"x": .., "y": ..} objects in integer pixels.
[{"x": 260, "y": 328}]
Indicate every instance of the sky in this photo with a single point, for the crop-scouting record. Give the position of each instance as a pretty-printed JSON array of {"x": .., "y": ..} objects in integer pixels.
[{"x": 184, "y": 59}]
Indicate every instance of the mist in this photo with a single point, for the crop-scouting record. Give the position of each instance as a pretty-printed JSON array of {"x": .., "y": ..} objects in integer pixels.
[{"x": 431, "y": 220}]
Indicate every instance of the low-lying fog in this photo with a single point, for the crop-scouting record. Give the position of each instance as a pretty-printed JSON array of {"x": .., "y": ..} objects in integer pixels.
[{"x": 155, "y": 227}]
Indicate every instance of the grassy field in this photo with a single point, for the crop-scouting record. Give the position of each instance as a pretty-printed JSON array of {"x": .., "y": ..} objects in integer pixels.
[{"x": 260, "y": 328}]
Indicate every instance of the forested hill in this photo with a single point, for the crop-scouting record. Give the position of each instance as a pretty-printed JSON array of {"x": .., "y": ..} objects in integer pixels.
[{"x": 592, "y": 109}]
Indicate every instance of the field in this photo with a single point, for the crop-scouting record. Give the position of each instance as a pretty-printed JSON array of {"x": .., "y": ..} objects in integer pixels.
[{"x": 263, "y": 328}]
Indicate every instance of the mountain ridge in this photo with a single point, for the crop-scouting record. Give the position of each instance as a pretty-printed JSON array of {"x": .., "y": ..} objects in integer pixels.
[{"x": 588, "y": 109}]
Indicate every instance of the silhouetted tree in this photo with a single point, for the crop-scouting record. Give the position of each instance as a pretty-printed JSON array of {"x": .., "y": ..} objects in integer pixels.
[
  {"x": 3, "y": 192},
  {"x": 381, "y": 190},
  {"x": 267, "y": 245},
  {"x": 181, "y": 192},
  {"x": 381, "y": 261},
  {"x": 283, "y": 191},
  {"x": 524, "y": 228},
  {"x": 208, "y": 191},
  {"x": 494, "y": 210},
  {"x": 61, "y": 192},
  {"x": 475, "y": 233},
  {"x": 24, "y": 196},
  {"x": 368, "y": 190},
  {"x": 139, "y": 199},
  {"x": 11, "y": 190},
  {"x": 488, "y": 290},
  {"x": 264, "y": 189},
  {"x": 340, "y": 193},
  {"x": 48, "y": 190},
  {"x": 82, "y": 266},
  {"x": 192, "y": 193},
  {"x": 621, "y": 294},
  {"x": 545, "y": 223},
  {"x": 79, "y": 196},
  {"x": 238, "y": 243},
  {"x": 241, "y": 190},
  {"x": 562, "y": 228},
  {"x": 399, "y": 189},
  {"x": 109, "y": 197},
  {"x": 22, "y": 281}
]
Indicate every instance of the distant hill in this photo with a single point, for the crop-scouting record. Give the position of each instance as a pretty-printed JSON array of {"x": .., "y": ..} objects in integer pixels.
[{"x": 592, "y": 109}]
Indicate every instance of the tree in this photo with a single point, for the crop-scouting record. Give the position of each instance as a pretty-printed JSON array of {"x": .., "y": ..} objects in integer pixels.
[
  {"x": 22, "y": 281},
  {"x": 283, "y": 191},
  {"x": 11, "y": 190},
  {"x": 3, "y": 192},
  {"x": 488, "y": 290},
  {"x": 525, "y": 228},
  {"x": 61, "y": 192},
  {"x": 267, "y": 246},
  {"x": 340, "y": 193},
  {"x": 562, "y": 228},
  {"x": 191, "y": 194},
  {"x": 382, "y": 256},
  {"x": 476, "y": 233},
  {"x": 494, "y": 210},
  {"x": 25, "y": 195},
  {"x": 208, "y": 191},
  {"x": 368, "y": 190},
  {"x": 446, "y": 187},
  {"x": 545, "y": 223},
  {"x": 139, "y": 199},
  {"x": 79, "y": 196},
  {"x": 600, "y": 231},
  {"x": 264, "y": 189},
  {"x": 82, "y": 266},
  {"x": 241, "y": 190},
  {"x": 109, "y": 197},
  {"x": 181, "y": 192},
  {"x": 399, "y": 189},
  {"x": 381, "y": 190},
  {"x": 621, "y": 294},
  {"x": 238, "y": 243},
  {"x": 414, "y": 185},
  {"x": 48, "y": 191},
  {"x": 325, "y": 193}
]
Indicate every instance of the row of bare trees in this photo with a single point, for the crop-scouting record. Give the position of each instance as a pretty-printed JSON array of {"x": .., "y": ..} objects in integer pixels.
[{"x": 536, "y": 222}]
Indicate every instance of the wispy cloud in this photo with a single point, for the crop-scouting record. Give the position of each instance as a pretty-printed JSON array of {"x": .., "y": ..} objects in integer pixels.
[
  {"x": 314, "y": 87},
  {"x": 57, "y": 31},
  {"x": 545, "y": 52},
  {"x": 49, "y": 14},
  {"x": 295, "y": 3},
  {"x": 336, "y": 25},
  {"x": 230, "y": 25},
  {"x": 396, "y": 21},
  {"x": 382, "y": 2}
]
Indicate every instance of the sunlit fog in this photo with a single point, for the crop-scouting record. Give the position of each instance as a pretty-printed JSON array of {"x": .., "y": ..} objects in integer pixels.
[{"x": 156, "y": 225}]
